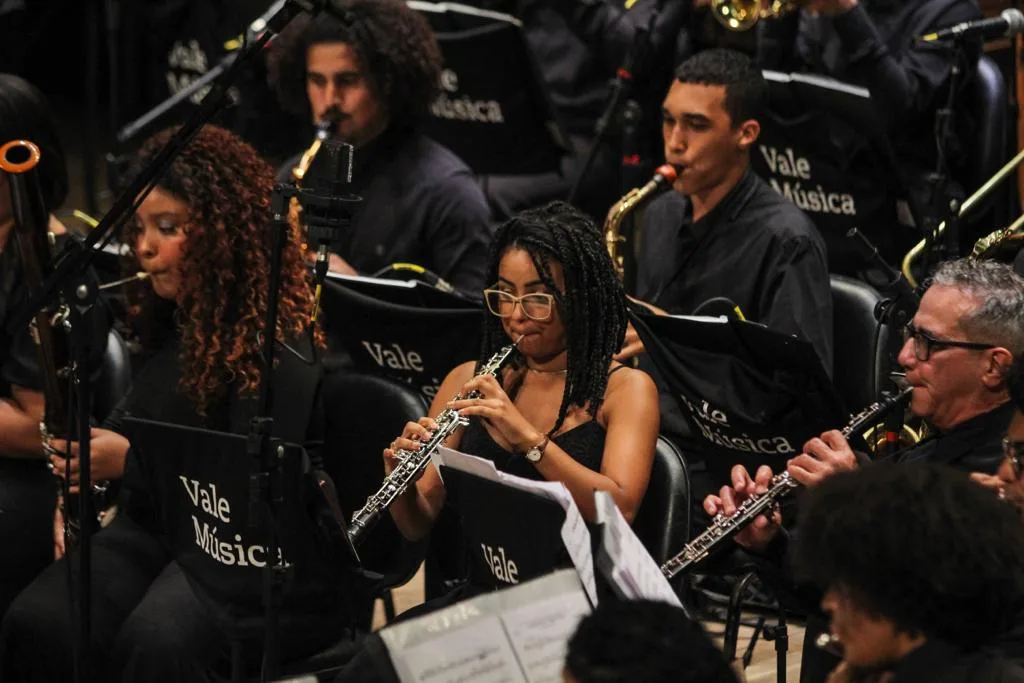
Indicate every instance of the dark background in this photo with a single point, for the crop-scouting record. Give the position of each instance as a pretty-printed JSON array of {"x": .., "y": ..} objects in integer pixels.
[{"x": 103, "y": 63}]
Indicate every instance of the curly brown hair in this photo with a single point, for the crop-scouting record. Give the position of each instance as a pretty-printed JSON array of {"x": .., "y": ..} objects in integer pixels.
[
  {"x": 394, "y": 44},
  {"x": 225, "y": 267}
]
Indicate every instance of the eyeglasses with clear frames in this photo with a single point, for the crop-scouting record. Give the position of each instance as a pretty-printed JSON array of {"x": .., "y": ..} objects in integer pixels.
[
  {"x": 925, "y": 343},
  {"x": 536, "y": 305}
]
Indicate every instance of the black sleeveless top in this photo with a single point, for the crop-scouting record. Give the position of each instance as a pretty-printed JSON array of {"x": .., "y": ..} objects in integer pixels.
[{"x": 584, "y": 442}]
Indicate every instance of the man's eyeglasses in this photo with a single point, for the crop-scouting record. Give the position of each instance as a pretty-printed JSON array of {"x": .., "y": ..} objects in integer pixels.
[
  {"x": 537, "y": 306},
  {"x": 925, "y": 344},
  {"x": 1014, "y": 452}
]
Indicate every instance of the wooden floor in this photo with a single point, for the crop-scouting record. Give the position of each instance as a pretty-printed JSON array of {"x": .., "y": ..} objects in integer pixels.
[{"x": 762, "y": 667}]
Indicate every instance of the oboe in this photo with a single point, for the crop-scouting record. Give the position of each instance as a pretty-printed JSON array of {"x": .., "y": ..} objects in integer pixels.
[
  {"x": 723, "y": 528},
  {"x": 412, "y": 463}
]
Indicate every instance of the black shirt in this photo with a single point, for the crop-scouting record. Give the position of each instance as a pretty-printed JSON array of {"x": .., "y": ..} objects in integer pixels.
[
  {"x": 939, "y": 662},
  {"x": 873, "y": 46},
  {"x": 421, "y": 204},
  {"x": 754, "y": 247},
  {"x": 18, "y": 362},
  {"x": 974, "y": 445}
]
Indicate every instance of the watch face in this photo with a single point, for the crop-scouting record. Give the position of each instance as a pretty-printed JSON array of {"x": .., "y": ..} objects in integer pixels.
[{"x": 533, "y": 455}]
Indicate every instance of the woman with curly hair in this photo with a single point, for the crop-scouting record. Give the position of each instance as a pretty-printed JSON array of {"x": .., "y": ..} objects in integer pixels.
[
  {"x": 377, "y": 73},
  {"x": 203, "y": 236}
]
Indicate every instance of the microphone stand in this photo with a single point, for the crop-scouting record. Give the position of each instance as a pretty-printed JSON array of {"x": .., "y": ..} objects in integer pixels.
[
  {"x": 622, "y": 88},
  {"x": 131, "y": 130},
  {"x": 894, "y": 312},
  {"x": 69, "y": 281},
  {"x": 946, "y": 244}
]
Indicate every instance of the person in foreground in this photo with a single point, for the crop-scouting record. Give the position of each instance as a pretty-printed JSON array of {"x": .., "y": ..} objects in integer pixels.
[
  {"x": 921, "y": 569},
  {"x": 642, "y": 640}
]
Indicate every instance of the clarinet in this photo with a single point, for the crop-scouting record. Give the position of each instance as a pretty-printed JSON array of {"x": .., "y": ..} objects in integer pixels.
[
  {"x": 412, "y": 463},
  {"x": 723, "y": 528}
]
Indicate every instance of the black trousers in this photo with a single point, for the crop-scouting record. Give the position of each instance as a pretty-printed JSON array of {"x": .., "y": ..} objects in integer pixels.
[
  {"x": 147, "y": 623},
  {"x": 27, "y": 499}
]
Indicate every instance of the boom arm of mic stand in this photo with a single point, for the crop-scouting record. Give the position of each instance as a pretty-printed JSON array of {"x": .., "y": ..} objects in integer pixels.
[
  {"x": 72, "y": 261},
  {"x": 620, "y": 90},
  {"x": 131, "y": 130}
]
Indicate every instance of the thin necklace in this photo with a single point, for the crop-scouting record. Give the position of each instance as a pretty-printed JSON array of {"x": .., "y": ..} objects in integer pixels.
[{"x": 547, "y": 372}]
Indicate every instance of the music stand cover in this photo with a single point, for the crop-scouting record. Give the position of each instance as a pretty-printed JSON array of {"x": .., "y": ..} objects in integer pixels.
[
  {"x": 493, "y": 113},
  {"x": 200, "y": 481},
  {"x": 506, "y": 529},
  {"x": 823, "y": 147},
  {"x": 753, "y": 396},
  {"x": 416, "y": 344}
]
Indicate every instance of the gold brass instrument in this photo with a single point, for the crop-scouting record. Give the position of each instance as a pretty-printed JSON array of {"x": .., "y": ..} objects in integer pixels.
[
  {"x": 741, "y": 15},
  {"x": 990, "y": 245},
  {"x": 323, "y": 132},
  {"x": 915, "y": 253},
  {"x": 663, "y": 178}
]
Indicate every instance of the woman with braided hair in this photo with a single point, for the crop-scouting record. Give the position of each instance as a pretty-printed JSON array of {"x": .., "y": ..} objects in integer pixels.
[
  {"x": 563, "y": 411},
  {"x": 203, "y": 236}
]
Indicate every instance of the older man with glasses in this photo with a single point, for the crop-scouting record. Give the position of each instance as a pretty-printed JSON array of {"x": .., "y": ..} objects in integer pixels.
[{"x": 957, "y": 352}]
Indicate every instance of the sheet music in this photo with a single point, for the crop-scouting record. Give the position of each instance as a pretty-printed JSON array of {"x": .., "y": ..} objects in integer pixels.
[
  {"x": 624, "y": 561},
  {"x": 575, "y": 534},
  {"x": 517, "y": 635},
  {"x": 480, "y": 652},
  {"x": 539, "y": 632}
]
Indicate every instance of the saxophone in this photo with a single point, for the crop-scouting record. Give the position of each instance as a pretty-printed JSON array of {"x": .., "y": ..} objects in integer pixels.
[
  {"x": 990, "y": 245},
  {"x": 723, "y": 528},
  {"x": 663, "y": 177},
  {"x": 323, "y": 132},
  {"x": 412, "y": 463}
]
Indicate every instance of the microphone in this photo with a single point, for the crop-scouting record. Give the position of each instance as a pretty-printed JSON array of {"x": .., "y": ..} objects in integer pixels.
[
  {"x": 328, "y": 205},
  {"x": 1009, "y": 23}
]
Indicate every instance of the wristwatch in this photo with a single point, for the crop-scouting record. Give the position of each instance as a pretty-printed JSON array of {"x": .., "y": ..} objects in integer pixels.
[{"x": 537, "y": 452}]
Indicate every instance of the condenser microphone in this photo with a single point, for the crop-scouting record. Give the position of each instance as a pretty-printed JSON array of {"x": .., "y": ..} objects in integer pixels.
[
  {"x": 1010, "y": 22},
  {"x": 327, "y": 205}
]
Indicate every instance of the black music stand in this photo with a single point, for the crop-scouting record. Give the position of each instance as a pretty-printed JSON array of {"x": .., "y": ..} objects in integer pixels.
[
  {"x": 506, "y": 530},
  {"x": 752, "y": 396},
  {"x": 494, "y": 114},
  {"x": 202, "y": 492},
  {"x": 414, "y": 334},
  {"x": 824, "y": 147}
]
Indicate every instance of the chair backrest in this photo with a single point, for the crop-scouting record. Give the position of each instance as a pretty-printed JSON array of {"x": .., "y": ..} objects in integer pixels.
[
  {"x": 364, "y": 414},
  {"x": 663, "y": 521},
  {"x": 860, "y": 344},
  {"x": 114, "y": 378},
  {"x": 408, "y": 343},
  {"x": 986, "y": 101}
]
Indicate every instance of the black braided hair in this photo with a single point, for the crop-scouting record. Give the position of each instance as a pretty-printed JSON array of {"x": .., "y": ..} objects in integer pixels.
[{"x": 592, "y": 307}]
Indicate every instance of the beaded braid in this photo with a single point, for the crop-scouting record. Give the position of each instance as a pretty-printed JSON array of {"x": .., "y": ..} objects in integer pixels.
[{"x": 592, "y": 307}]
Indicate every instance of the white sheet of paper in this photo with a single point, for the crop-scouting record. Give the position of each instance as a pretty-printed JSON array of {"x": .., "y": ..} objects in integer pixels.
[
  {"x": 517, "y": 635},
  {"x": 480, "y": 652},
  {"x": 624, "y": 561},
  {"x": 539, "y": 633},
  {"x": 575, "y": 534}
]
